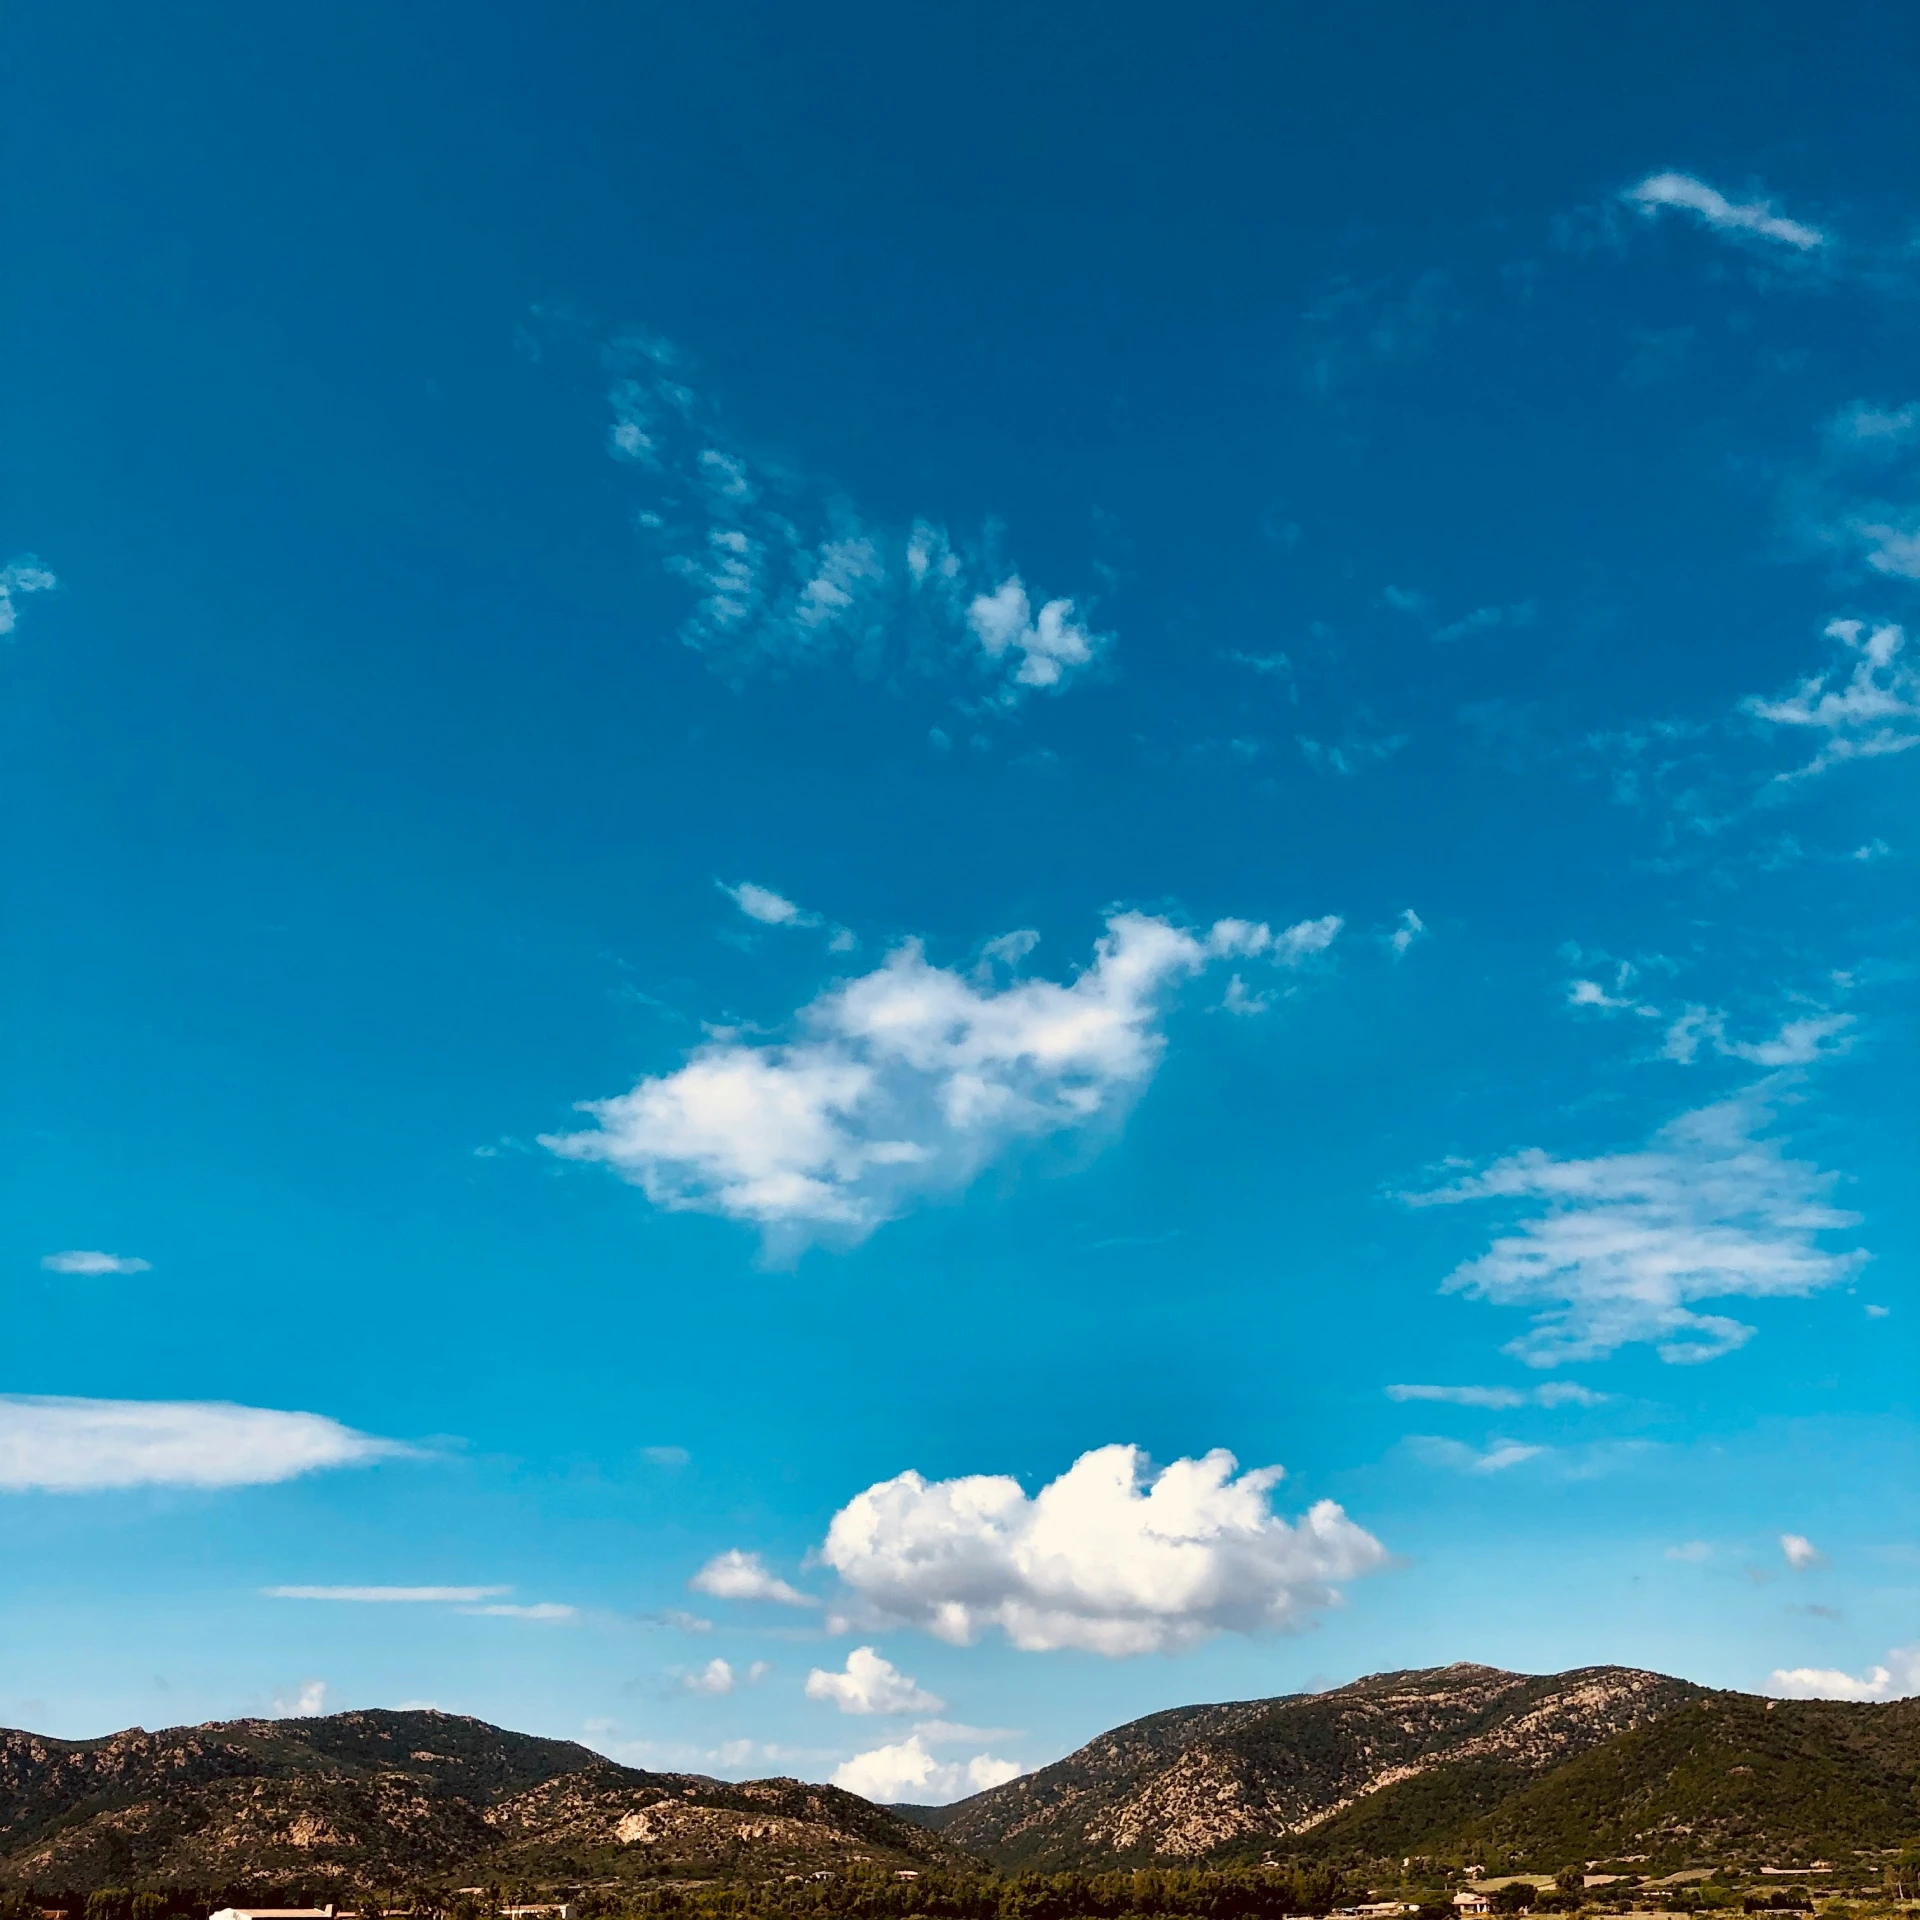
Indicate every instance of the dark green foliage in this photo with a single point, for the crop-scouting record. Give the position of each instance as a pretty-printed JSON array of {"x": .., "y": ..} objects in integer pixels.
[{"x": 1233, "y": 1894}]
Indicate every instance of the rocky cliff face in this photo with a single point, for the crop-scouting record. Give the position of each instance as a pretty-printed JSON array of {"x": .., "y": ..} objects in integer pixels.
[
  {"x": 1218, "y": 1781},
  {"x": 378, "y": 1799}
]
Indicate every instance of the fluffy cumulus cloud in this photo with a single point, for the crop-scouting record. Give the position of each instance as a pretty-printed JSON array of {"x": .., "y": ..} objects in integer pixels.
[
  {"x": 735, "y": 1575},
  {"x": 22, "y": 575},
  {"x": 1616, "y": 1249},
  {"x": 92, "y": 1263},
  {"x": 716, "y": 1677},
  {"x": 870, "y": 1683},
  {"x": 1865, "y": 705},
  {"x": 1756, "y": 219},
  {"x": 907, "y": 1080},
  {"x": 1046, "y": 645},
  {"x": 1799, "y": 1552},
  {"x": 1897, "y": 1679},
  {"x": 783, "y": 571},
  {"x": 1112, "y": 1557},
  {"x": 75, "y": 1446},
  {"x": 908, "y": 1770}
]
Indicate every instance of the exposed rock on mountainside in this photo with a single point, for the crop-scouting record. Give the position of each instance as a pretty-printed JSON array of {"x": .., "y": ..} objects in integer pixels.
[
  {"x": 382, "y": 1798},
  {"x": 1560, "y": 1767}
]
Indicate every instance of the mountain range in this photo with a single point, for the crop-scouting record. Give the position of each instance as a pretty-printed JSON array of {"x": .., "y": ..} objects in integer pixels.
[
  {"x": 1452, "y": 1765},
  {"x": 387, "y": 1799},
  {"x": 1464, "y": 1761}
]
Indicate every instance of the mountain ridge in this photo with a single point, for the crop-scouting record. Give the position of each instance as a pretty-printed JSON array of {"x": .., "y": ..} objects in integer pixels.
[
  {"x": 1458, "y": 1760},
  {"x": 396, "y": 1796}
]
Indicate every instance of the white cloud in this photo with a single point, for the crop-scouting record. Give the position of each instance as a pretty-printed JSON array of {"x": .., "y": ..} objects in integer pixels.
[
  {"x": 1899, "y": 1679},
  {"x": 784, "y": 570},
  {"x": 387, "y": 1596},
  {"x": 871, "y": 1684},
  {"x": 1048, "y": 646},
  {"x": 542, "y": 1610},
  {"x": 1800, "y": 1552},
  {"x": 58, "y": 1445},
  {"x": 1112, "y": 1557},
  {"x": 766, "y": 906},
  {"x": 1798, "y": 1043},
  {"x": 735, "y": 1575},
  {"x": 908, "y": 1771},
  {"x": 715, "y": 1677},
  {"x": 665, "y": 1456},
  {"x": 1496, "y": 1457},
  {"x": 1410, "y": 929},
  {"x": 77, "y": 1260},
  {"x": 1691, "y": 1552},
  {"x": 1552, "y": 1393},
  {"x": 22, "y": 575},
  {"x": 308, "y": 1700},
  {"x": 1683, "y": 192},
  {"x": 908, "y": 1080},
  {"x": 1863, "y": 707},
  {"x": 1623, "y": 1243}
]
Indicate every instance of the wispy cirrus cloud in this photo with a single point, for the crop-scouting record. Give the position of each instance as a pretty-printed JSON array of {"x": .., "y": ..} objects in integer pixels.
[
  {"x": 90, "y": 1262},
  {"x": 786, "y": 572},
  {"x": 905, "y": 1082},
  {"x": 1618, "y": 1249},
  {"x": 1550, "y": 1393},
  {"x": 1748, "y": 219},
  {"x": 1497, "y": 1456},
  {"x": 387, "y": 1596},
  {"x": 52, "y": 1444},
  {"x": 1112, "y": 1557},
  {"x": 21, "y": 576},
  {"x": 1863, "y": 707}
]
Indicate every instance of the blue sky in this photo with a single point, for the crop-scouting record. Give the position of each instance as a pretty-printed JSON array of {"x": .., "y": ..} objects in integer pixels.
[{"x": 796, "y": 800}]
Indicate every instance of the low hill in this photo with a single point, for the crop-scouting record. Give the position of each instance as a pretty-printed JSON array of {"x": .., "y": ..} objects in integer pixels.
[
  {"x": 380, "y": 1799},
  {"x": 1466, "y": 1761}
]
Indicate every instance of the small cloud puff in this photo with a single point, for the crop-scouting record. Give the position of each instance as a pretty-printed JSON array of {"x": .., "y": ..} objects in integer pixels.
[
  {"x": 84, "y": 1262},
  {"x": 734, "y": 1575},
  {"x": 1800, "y": 1552},
  {"x": 1047, "y": 645},
  {"x": 1113, "y": 1557},
  {"x": 716, "y": 1677},
  {"x": 870, "y": 1683},
  {"x": 1681, "y": 192},
  {"x": 769, "y": 908}
]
